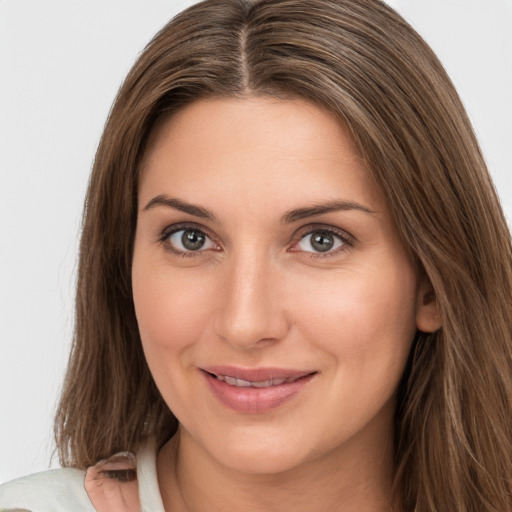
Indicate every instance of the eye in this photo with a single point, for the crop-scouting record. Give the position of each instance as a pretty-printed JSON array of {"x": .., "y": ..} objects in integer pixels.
[
  {"x": 321, "y": 241},
  {"x": 189, "y": 240}
]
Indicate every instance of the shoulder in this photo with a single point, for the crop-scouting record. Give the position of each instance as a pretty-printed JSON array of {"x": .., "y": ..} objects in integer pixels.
[
  {"x": 58, "y": 490},
  {"x": 123, "y": 482}
]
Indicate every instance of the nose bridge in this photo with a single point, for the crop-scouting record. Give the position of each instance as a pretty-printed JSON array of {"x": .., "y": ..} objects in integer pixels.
[{"x": 248, "y": 311}]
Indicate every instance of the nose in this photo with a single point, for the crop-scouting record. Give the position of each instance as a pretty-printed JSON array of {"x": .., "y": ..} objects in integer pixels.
[{"x": 250, "y": 312}]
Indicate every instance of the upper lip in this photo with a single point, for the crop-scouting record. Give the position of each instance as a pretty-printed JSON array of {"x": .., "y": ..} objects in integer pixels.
[{"x": 256, "y": 374}]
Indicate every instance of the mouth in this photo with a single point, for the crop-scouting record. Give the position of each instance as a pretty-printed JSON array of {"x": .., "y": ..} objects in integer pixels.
[{"x": 255, "y": 390}]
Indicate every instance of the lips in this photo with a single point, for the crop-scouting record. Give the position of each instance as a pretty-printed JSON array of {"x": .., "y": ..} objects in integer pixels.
[{"x": 255, "y": 390}]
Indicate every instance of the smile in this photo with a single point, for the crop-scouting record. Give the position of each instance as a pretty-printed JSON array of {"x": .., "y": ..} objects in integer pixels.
[{"x": 255, "y": 391}]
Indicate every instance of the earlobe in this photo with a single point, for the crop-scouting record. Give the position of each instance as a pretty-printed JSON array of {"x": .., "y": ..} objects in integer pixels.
[{"x": 428, "y": 318}]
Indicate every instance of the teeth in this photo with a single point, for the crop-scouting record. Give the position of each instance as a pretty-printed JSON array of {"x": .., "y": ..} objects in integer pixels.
[
  {"x": 232, "y": 381},
  {"x": 241, "y": 383},
  {"x": 262, "y": 384}
]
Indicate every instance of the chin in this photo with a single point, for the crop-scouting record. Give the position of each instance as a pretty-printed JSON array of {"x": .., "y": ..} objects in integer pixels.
[
  {"x": 261, "y": 462},
  {"x": 261, "y": 453}
]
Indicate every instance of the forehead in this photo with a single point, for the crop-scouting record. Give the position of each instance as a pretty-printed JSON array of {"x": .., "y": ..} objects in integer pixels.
[{"x": 237, "y": 146}]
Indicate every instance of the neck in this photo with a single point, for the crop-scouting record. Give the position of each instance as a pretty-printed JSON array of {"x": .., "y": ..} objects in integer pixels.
[{"x": 354, "y": 478}]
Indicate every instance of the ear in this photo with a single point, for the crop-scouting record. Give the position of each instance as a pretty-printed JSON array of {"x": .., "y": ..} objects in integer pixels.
[{"x": 427, "y": 313}]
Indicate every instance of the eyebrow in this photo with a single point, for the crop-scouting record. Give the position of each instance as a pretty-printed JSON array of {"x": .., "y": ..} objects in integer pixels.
[
  {"x": 287, "y": 218},
  {"x": 178, "y": 204},
  {"x": 320, "y": 209}
]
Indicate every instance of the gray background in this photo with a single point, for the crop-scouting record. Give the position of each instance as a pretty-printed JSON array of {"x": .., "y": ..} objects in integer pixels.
[{"x": 61, "y": 63}]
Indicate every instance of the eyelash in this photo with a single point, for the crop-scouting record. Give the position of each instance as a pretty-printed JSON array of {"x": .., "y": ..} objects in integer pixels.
[{"x": 345, "y": 238}]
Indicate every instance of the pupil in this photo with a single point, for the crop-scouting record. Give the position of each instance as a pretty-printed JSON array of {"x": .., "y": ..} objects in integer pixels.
[
  {"x": 322, "y": 242},
  {"x": 192, "y": 240}
]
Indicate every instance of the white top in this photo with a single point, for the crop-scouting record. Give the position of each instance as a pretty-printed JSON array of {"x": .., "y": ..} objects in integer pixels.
[{"x": 121, "y": 483}]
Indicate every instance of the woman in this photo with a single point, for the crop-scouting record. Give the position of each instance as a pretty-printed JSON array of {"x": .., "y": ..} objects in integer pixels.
[{"x": 292, "y": 243}]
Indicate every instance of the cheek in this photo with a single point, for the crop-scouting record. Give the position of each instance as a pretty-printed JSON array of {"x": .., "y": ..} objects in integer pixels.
[
  {"x": 365, "y": 321},
  {"x": 364, "y": 329},
  {"x": 171, "y": 309}
]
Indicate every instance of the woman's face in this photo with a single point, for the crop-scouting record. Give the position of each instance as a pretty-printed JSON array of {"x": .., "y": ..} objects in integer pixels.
[{"x": 275, "y": 301}]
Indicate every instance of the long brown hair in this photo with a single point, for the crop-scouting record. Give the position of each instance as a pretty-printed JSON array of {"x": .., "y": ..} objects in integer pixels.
[{"x": 362, "y": 61}]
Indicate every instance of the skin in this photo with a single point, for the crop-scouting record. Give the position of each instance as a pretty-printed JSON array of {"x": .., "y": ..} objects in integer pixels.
[{"x": 258, "y": 294}]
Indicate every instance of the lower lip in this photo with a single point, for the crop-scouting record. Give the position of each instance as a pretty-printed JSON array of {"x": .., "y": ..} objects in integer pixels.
[{"x": 255, "y": 400}]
